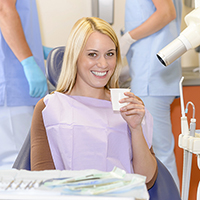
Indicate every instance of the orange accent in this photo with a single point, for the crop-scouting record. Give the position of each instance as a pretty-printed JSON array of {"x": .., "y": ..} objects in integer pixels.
[{"x": 190, "y": 93}]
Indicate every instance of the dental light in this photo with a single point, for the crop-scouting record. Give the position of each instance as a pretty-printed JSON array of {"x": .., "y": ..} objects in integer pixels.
[{"x": 189, "y": 38}]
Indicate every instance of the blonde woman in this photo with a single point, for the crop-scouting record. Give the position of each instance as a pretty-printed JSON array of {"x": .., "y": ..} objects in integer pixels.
[{"x": 75, "y": 128}]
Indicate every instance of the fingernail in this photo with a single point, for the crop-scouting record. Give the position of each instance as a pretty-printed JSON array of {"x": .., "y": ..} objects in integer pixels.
[{"x": 123, "y": 108}]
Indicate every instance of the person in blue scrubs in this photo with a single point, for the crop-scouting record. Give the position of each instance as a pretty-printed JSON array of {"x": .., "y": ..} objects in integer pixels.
[
  {"x": 149, "y": 26},
  {"x": 22, "y": 74}
]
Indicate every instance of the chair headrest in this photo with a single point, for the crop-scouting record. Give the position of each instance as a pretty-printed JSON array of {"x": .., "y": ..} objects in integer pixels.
[{"x": 54, "y": 64}]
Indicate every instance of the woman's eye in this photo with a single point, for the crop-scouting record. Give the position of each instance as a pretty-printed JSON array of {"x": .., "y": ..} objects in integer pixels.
[
  {"x": 110, "y": 54},
  {"x": 92, "y": 54}
]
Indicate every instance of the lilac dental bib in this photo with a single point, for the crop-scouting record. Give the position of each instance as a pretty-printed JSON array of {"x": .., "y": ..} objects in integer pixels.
[{"x": 85, "y": 133}]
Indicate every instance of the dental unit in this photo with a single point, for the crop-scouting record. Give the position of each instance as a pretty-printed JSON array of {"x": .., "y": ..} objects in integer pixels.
[{"x": 189, "y": 139}]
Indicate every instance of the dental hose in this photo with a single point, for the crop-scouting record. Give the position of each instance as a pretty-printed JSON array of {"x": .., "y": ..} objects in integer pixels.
[
  {"x": 188, "y": 158},
  {"x": 184, "y": 132}
]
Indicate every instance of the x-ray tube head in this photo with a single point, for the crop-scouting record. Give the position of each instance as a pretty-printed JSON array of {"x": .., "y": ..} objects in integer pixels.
[
  {"x": 171, "y": 52},
  {"x": 189, "y": 38}
]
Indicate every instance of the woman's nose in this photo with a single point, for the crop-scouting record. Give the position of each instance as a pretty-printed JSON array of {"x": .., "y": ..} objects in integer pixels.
[{"x": 102, "y": 62}]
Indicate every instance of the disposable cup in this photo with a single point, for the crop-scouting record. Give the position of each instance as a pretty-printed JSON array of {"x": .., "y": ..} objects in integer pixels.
[{"x": 116, "y": 95}]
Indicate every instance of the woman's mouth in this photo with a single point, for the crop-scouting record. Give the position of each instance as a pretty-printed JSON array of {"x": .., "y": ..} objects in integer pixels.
[{"x": 99, "y": 73}]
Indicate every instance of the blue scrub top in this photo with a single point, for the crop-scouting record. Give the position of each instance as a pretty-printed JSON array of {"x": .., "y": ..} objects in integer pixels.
[
  {"x": 149, "y": 76},
  {"x": 14, "y": 86}
]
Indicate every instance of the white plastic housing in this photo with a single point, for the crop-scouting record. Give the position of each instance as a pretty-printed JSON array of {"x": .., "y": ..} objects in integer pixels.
[{"x": 188, "y": 38}]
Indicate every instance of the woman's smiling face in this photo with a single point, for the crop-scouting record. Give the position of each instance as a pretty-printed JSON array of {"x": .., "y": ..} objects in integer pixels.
[{"x": 97, "y": 61}]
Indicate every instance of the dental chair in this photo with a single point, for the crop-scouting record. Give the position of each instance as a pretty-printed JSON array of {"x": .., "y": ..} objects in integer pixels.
[{"x": 164, "y": 187}]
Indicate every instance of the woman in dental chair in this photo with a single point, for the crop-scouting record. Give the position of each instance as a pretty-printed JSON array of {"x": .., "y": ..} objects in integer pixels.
[{"x": 75, "y": 127}]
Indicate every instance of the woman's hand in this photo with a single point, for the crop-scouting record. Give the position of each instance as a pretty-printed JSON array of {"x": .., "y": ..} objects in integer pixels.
[{"x": 134, "y": 112}]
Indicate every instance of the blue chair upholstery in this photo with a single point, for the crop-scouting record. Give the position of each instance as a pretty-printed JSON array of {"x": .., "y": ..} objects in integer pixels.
[
  {"x": 54, "y": 64},
  {"x": 164, "y": 187},
  {"x": 23, "y": 159}
]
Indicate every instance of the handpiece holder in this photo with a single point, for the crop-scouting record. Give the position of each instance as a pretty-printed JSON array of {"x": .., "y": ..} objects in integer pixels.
[
  {"x": 189, "y": 141},
  {"x": 191, "y": 144},
  {"x": 189, "y": 38}
]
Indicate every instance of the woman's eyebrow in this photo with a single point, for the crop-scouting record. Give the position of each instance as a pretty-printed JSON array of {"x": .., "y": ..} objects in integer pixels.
[
  {"x": 112, "y": 50},
  {"x": 92, "y": 50},
  {"x": 98, "y": 51}
]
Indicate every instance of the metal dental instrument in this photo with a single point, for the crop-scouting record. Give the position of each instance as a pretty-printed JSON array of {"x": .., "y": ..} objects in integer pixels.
[
  {"x": 19, "y": 184},
  {"x": 10, "y": 184}
]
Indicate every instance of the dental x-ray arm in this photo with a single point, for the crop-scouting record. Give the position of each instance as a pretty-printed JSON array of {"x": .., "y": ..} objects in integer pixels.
[{"x": 188, "y": 39}]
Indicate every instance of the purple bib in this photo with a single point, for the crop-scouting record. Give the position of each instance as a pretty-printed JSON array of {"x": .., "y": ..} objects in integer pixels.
[{"x": 85, "y": 133}]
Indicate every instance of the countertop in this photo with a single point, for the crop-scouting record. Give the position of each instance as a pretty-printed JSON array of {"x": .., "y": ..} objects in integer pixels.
[{"x": 191, "y": 78}]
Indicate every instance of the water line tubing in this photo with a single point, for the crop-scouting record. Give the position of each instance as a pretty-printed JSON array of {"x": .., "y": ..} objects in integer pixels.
[
  {"x": 184, "y": 131},
  {"x": 188, "y": 164}
]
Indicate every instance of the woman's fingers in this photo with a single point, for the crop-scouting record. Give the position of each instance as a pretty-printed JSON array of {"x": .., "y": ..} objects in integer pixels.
[
  {"x": 131, "y": 98},
  {"x": 134, "y": 106}
]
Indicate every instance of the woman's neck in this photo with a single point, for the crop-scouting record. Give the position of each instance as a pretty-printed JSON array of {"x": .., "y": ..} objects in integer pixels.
[{"x": 98, "y": 93}]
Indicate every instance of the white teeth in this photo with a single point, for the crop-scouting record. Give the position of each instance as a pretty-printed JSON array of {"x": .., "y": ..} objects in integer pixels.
[{"x": 99, "y": 73}]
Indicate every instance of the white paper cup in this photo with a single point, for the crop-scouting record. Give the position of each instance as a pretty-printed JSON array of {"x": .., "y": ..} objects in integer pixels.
[{"x": 116, "y": 95}]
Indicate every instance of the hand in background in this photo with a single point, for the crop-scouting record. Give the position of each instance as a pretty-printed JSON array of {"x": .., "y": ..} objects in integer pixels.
[
  {"x": 46, "y": 51},
  {"x": 125, "y": 42},
  {"x": 35, "y": 77}
]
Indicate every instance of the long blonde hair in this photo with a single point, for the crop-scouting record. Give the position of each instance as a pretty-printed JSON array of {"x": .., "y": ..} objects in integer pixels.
[{"x": 78, "y": 37}]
